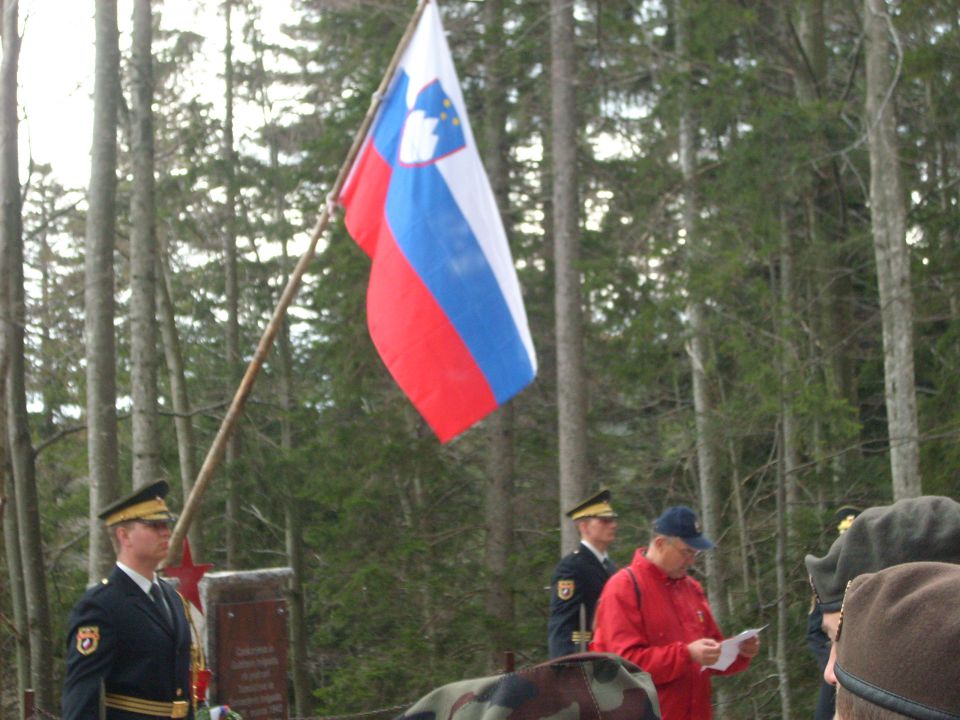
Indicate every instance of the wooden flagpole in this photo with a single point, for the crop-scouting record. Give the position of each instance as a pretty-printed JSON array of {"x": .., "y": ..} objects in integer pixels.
[{"x": 217, "y": 449}]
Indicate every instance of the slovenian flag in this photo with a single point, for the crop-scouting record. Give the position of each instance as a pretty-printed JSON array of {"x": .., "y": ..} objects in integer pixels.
[{"x": 443, "y": 304}]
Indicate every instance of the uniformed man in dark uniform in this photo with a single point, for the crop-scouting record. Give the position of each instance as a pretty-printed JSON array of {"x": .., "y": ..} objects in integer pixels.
[
  {"x": 817, "y": 639},
  {"x": 581, "y": 575},
  {"x": 128, "y": 647}
]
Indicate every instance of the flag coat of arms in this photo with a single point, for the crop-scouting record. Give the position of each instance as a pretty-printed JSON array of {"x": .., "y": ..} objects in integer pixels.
[{"x": 444, "y": 308}]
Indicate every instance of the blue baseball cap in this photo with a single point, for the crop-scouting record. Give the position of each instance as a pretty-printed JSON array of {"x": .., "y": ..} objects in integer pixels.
[{"x": 681, "y": 522}]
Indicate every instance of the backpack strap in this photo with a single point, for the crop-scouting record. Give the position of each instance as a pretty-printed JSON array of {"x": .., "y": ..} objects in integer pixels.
[{"x": 636, "y": 586}]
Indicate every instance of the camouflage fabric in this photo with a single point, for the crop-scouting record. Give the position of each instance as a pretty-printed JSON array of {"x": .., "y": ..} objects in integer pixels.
[{"x": 587, "y": 686}]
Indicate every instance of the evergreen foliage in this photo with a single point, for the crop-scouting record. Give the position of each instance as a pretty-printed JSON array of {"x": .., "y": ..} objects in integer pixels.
[{"x": 393, "y": 523}]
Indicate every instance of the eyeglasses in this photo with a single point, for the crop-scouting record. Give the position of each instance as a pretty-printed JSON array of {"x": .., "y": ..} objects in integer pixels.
[{"x": 688, "y": 552}]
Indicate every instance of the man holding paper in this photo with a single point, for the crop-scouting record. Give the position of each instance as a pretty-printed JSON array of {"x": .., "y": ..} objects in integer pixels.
[{"x": 655, "y": 615}]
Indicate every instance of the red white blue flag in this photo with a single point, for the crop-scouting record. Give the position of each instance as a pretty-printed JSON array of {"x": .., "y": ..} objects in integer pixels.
[{"x": 443, "y": 304}]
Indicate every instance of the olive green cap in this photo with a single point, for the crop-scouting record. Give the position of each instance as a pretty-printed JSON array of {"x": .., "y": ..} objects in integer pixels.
[{"x": 923, "y": 528}]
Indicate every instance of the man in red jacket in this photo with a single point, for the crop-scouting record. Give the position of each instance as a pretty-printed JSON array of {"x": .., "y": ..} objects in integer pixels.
[{"x": 653, "y": 614}]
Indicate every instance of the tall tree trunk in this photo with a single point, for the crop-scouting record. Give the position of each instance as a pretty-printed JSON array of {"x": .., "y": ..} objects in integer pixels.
[
  {"x": 547, "y": 485},
  {"x": 736, "y": 494},
  {"x": 14, "y": 320},
  {"x": 416, "y": 520},
  {"x": 781, "y": 564},
  {"x": 294, "y": 539},
  {"x": 292, "y": 514},
  {"x": 98, "y": 293},
  {"x": 697, "y": 344},
  {"x": 940, "y": 164},
  {"x": 810, "y": 73},
  {"x": 232, "y": 293},
  {"x": 143, "y": 258},
  {"x": 299, "y": 657},
  {"x": 293, "y": 524},
  {"x": 888, "y": 222},
  {"x": 11, "y": 541},
  {"x": 498, "y": 506},
  {"x": 499, "y": 521},
  {"x": 571, "y": 384},
  {"x": 787, "y": 452},
  {"x": 47, "y": 357},
  {"x": 179, "y": 400},
  {"x": 787, "y": 334},
  {"x": 826, "y": 222},
  {"x": 8, "y": 224}
]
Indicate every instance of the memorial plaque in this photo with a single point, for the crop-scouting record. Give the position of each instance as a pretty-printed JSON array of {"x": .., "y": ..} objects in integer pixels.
[{"x": 252, "y": 653}]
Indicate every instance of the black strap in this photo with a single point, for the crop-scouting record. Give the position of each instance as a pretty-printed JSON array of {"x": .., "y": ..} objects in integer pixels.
[{"x": 636, "y": 587}]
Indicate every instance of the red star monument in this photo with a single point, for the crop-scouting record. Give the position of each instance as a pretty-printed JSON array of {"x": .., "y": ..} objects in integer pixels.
[{"x": 189, "y": 576}]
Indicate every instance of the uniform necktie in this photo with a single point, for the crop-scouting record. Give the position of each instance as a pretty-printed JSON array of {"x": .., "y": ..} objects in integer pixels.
[
  {"x": 161, "y": 603},
  {"x": 608, "y": 566}
]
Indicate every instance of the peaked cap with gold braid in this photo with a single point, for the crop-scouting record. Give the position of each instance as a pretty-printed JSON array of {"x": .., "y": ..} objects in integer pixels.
[
  {"x": 143, "y": 504},
  {"x": 594, "y": 506},
  {"x": 845, "y": 516}
]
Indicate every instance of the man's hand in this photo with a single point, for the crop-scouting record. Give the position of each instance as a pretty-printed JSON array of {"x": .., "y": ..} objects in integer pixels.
[
  {"x": 705, "y": 651},
  {"x": 750, "y": 647}
]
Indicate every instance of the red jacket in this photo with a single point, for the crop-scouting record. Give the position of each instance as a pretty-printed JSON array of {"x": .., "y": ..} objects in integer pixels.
[{"x": 672, "y": 613}]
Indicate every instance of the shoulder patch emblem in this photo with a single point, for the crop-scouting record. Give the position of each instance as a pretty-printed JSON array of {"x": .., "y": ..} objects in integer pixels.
[
  {"x": 565, "y": 589},
  {"x": 88, "y": 639}
]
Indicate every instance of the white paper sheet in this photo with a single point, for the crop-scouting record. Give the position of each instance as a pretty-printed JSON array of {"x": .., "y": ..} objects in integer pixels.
[{"x": 730, "y": 648}]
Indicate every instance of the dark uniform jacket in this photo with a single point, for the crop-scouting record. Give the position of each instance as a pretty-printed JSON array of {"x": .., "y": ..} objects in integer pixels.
[
  {"x": 819, "y": 645},
  {"x": 118, "y": 635},
  {"x": 588, "y": 576}
]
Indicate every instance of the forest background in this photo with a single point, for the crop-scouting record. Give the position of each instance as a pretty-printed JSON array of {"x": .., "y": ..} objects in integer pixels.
[{"x": 736, "y": 230}]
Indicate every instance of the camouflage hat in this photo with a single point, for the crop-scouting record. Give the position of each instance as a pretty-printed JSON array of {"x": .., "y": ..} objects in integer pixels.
[
  {"x": 588, "y": 686},
  {"x": 924, "y": 528}
]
